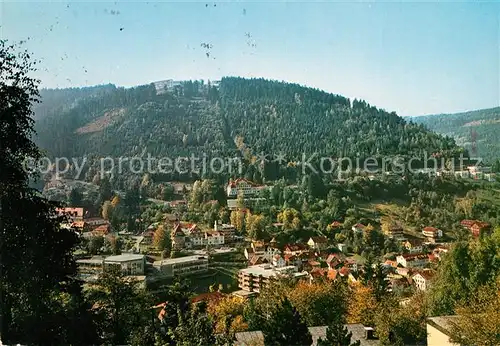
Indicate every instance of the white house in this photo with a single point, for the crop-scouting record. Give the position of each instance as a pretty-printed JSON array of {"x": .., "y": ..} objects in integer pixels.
[
  {"x": 318, "y": 243},
  {"x": 412, "y": 260},
  {"x": 214, "y": 238},
  {"x": 432, "y": 232},
  {"x": 243, "y": 186},
  {"x": 413, "y": 245},
  {"x": 422, "y": 279},
  {"x": 196, "y": 236}
]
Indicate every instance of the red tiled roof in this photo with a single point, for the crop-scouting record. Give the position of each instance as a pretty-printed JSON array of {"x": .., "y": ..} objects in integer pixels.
[
  {"x": 319, "y": 272},
  {"x": 467, "y": 223},
  {"x": 193, "y": 228},
  {"x": 102, "y": 228},
  {"x": 336, "y": 224},
  {"x": 359, "y": 225},
  {"x": 391, "y": 263},
  {"x": 481, "y": 224},
  {"x": 410, "y": 257},
  {"x": 233, "y": 183},
  {"x": 333, "y": 256},
  {"x": 255, "y": 259},
  {"x": 430, "y": 229},
  {"x": 344, "y": 271},
  {"x": 470, "y": 223},
  {"x": 402, "y": 271},
  {"x": 78, "y": 224}
]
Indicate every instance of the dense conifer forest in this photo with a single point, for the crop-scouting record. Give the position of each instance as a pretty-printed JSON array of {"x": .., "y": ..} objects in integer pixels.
[
  {"x": 262, "y": 115},
  {"x": 479, "y": 126}
]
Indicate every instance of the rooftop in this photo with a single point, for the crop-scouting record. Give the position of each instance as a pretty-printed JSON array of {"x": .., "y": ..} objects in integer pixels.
[
  {"x": 266, "y": 270},
  {"x": 243, "y": 294},
  {"x": 257, "y": 338},
  {"x": 442, "y": 323},
  {"x": 426, "y": 274},
  {"x": 180, "y": 260},
  {"x": 124, "y": 258},
  {"x": 97, "y": 261}
]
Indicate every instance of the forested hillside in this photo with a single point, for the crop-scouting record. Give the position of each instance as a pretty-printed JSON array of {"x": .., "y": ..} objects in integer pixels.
[
  {"x": 238, "y": 117},
  {"x": 481, "y": 126}
]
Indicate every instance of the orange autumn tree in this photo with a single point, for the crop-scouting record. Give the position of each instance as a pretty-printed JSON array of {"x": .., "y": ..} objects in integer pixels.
[
  {"x": 362, "y": 304},
  {"x": 318, "y": 302},
  {"x": 220, "y": 309}
]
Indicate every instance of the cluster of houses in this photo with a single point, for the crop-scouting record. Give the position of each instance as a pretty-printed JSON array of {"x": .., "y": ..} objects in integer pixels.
[
  {"x": 266, "y": 262},
  {"x": 312, "y": 260},
  {"x": 470, "y": 172},
  {"x": 476, "y": 173},
  {"x": 476, "y": 227},
  {"x": 186, "y": 236},
  {"x": 77, "y": 219},
  {"x": 308, "y": 261}
]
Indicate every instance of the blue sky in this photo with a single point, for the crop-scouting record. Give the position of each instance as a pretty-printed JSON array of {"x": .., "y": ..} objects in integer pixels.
[{"x": 410, "y": 57}]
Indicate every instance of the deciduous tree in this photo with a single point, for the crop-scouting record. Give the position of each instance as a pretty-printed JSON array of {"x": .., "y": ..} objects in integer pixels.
[{"x": 161, "y": 238}]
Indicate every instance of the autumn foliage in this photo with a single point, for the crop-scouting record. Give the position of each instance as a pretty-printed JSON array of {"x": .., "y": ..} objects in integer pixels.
[{"x": 220, "y": 309}]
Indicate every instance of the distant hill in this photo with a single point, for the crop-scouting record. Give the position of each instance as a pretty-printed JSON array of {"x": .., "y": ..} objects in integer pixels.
[
  {"x": 243, "y": 117},
  {"x": 482, "y": 125}
]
